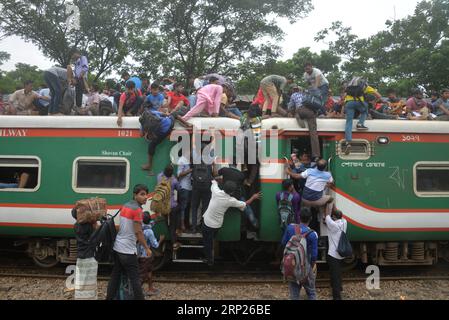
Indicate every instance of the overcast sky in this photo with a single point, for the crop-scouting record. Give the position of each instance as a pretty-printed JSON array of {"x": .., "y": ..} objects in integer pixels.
[{"x": 365, "y": 17}]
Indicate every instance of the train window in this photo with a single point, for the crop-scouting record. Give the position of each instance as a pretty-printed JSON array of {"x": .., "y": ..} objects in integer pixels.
[
  {"x": 431, "y": 179},
  {"x": 101, "y": 175},
  {"x": 19, "y": 174},
  {"x": 360, "y": 150}
]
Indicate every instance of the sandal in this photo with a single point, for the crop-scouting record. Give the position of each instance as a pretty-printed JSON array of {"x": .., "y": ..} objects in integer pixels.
[{"x": 176, "y": 246}]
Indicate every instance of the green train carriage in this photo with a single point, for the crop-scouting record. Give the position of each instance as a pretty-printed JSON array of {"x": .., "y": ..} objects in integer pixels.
[{"x": 393, "y": 187}]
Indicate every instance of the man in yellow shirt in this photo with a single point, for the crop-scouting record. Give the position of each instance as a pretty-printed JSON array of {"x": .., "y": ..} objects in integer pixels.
[{"x": 355, "y": 101}]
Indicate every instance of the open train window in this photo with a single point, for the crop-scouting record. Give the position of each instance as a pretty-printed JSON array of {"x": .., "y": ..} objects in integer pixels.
[
  {"x": 19, "y": 173},
  {"x": 360, "y": 150},
  {"x": 101, "y": 175},
  {"x": 431, "y": 179}
]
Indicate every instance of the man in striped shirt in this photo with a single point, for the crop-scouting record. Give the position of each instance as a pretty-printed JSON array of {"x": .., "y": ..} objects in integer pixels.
[{"x": 125, "y": 248}]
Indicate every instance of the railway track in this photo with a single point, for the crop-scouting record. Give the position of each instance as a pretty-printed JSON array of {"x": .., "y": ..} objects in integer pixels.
[{"x": 219, "y": 278}]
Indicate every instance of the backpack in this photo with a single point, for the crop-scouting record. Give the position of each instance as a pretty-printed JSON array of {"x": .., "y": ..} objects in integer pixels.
[
  {"x": 356, "y": 87},
  {"x": 344, "y": 248},
  {"x": 150, "y": 122},
  {"x": 201, "y": 176},
  {"x": 102, "y": 240},
  {"x": 105, "y": 108},
  {"x": 285, "y": 210},
  {"x": 161, "y": 202},
  {"x": 68, "y": 100},
  {"x": 296, "y": 265},
  {"x": 313, "y": 100}
]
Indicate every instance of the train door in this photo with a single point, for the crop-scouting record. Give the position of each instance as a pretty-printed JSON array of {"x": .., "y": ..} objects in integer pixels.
[{"x": 301, "y": 145}]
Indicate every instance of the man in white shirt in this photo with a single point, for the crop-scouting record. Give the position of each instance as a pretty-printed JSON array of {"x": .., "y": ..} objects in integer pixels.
[
  {"x": 220, "y": 202},
  {"x": 336, "y": 224},
  {"x": 316, "y": 80}
]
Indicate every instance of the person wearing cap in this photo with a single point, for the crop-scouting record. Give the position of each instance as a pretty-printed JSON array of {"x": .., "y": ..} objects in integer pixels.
[{"x": 220, "y": 202}]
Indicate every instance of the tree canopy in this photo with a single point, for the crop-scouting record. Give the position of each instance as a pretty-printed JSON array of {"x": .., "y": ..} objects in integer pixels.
[{"x": 188, "y": 38}]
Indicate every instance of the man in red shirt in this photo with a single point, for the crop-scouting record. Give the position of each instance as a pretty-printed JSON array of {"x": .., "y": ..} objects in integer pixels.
[
  {"x": 125, "y": 248},
  {"x": 130, "y": 102},
  {"x": 177, "y": 103}
]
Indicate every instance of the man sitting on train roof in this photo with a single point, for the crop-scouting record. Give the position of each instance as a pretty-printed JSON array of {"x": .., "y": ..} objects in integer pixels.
[
  {"x": 227, "y": 108},
  {"x": 442, "y": 105},
  {"x": 25, "y": 101},
  {"x": 417, "y": 102}
]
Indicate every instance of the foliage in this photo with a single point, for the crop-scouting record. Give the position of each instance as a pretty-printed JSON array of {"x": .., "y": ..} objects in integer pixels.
[
  {"x": 12, "y": 80},
  {"x": 103, "y": 33}
]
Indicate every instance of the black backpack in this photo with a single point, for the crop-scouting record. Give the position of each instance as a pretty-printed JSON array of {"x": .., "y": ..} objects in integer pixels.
[
  {"x": 105, "y": 108},
  {"x": 102, "y": 240},
  {"x": 356, "y": 87},
  {"x": 202, "y": 177},
  {"x": 313, "y": 100},
  {"x": 150, "y": 122}
]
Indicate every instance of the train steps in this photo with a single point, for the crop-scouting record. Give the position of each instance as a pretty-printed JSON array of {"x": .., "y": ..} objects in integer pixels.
[{"x": 191, "y": 249}]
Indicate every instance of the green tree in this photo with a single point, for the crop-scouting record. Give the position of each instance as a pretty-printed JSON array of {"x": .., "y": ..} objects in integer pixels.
[
  {"x": 410, "y": 52},
  {"x": 11, "y": 80},
  {"x": 103, "y": 33},
  {"x": 4, "y": 56},
  {"x": 204, "y": 36}
]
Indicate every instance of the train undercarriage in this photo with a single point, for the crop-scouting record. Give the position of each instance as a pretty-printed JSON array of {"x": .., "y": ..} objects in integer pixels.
[{"x": 47, "y": 253}]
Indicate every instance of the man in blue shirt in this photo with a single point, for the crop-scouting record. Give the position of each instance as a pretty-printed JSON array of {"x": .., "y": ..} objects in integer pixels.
[
  {"x": 145, "y": 262},
  {"x": 136, "y": 80},
  {"x": 155, "y": 99},
  {"x": 154, "y": 138},
  {"x": 312, "y": 255}
]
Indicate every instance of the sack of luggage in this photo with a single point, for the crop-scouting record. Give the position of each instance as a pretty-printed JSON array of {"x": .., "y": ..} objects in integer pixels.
[
  {"x": 105, "y": 108},
  {"x": 295, "y": 265},
  {"x": 285, "y": 210},
  {"x": 161, "y": 202},
  {"x": 356, "y": 87},
  {"x": 102, "y": 240},
  {"x": 150, "y": 122},
  {"x": 313, "y": 100},
  {"x": 90, "y": 210},
  {"x": 202, "y": 176}
]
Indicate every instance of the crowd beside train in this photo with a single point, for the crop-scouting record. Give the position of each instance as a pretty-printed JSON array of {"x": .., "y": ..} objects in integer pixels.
[{"x": 200, "y": 194}]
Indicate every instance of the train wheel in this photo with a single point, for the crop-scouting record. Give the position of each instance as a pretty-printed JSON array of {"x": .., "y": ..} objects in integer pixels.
[
  {"x": 43, "y": 254},
  {"x": 349, "y": 264},
  {"x": 48, "y": 262}
]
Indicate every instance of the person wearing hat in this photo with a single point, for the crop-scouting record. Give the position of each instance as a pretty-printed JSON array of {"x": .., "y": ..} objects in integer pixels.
[{"x": 220, "y": 202}]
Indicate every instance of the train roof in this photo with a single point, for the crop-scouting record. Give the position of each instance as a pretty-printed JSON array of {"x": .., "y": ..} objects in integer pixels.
[{"x": 285, "y": 124}]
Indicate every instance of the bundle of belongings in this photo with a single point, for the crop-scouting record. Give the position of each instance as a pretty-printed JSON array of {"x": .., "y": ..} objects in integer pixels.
[{"x": 91, "y": 210}]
